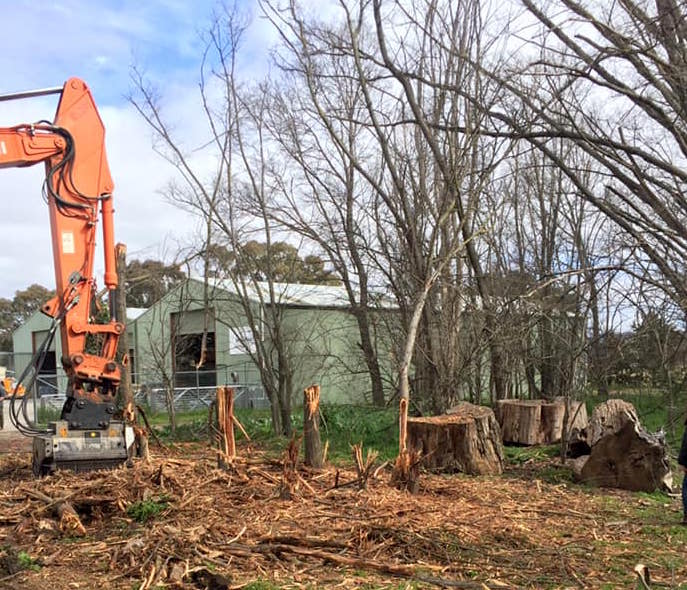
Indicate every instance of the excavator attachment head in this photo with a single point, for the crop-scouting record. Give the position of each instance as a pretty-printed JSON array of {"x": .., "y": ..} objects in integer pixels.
[{"x": 82, "y": 450}]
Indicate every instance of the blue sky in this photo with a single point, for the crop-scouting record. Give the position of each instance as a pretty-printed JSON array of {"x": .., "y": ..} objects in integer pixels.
[
  {"x": 99, "y": 40},
  {"x": 47, "y": 42}
]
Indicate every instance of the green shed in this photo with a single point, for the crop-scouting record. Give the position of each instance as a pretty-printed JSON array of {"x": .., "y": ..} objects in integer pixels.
[{"x": 317, "y": 324}]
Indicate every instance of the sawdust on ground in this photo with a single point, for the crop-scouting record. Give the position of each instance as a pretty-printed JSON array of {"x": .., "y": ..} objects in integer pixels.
[{"x": 227, "y": 528}]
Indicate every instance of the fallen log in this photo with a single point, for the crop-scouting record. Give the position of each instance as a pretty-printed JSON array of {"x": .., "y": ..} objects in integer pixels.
[
  {"x": 467, "y": 439},
  {"x": 535, "y": 422},
  {"x": 69, "y": 518}
]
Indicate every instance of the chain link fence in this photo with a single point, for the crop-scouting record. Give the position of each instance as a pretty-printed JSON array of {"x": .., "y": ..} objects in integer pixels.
[
  {"x": 246, "y": 395},
  {"x": 194, "y": 390}
]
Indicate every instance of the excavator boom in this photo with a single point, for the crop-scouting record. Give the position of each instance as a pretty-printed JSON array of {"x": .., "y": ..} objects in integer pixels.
[{"x": 78, "y": 188}]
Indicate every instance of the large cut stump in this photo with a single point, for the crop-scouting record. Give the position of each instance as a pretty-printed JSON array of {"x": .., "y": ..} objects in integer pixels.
[
  {"x": 609, "y": 418},
  {"x": 623, "y": 454},
  {"x": 466, "y": 439},
  {"x": 535, "y": 422},
  {"x": 631, "y": 459}
]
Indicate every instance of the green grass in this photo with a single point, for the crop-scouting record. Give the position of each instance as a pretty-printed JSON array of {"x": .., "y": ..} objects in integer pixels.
[
  {"x": 346, "y": 425},
  {"x": 341, "y": 425},
  {"x": 144, "y": 510},
  {"x": 26, "y": 562},
  {"x": 520, "y": 455}
]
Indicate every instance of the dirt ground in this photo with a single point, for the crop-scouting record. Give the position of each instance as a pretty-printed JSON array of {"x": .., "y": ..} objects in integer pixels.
[{"x": 179, "y": 522}]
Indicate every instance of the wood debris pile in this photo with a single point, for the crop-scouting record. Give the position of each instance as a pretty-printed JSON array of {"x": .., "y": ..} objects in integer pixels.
[{"x": 180, "y": 522}]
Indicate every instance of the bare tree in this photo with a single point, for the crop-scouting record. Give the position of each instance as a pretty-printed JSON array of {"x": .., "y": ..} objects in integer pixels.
[
  {"x": 318, "y": 121},
  {"x": 610, "y": 80},
  {"x": 233, "y": 204},
  {"x": 407, "y": 189}
]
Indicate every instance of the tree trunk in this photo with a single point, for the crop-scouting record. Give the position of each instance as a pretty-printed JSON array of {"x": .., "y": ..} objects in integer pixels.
[
  {"x": 499, "y": 375},
  {"x": 169, "y": 402},
  {"x": 370, "y": 356},
  {"x": 275, "y": 410},
  {"x": 311, "y": 427},
  {"x": 467, "y": 439},
  {"x": 533, "y": 422},
  {"x": 285, "y": 401}
]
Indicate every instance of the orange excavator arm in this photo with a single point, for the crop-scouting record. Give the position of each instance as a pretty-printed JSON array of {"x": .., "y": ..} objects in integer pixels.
[{"x": 78, "y": 188}]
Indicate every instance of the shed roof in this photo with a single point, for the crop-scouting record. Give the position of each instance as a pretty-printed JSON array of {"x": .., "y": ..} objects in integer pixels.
[{"x": 296, "y": 295}]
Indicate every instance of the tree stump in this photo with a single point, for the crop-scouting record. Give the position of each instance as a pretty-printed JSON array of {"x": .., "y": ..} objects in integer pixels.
[
  {"x": 535, "y": 422},
  {"x": 623, "y": 454},
  {"x": 467, "y": 439},
  {"x": 406, "y": 472},
  {"x": 311, "y": 427},
  {"x": 631, "y": 459},
  {"x": 609, "y": 418}
]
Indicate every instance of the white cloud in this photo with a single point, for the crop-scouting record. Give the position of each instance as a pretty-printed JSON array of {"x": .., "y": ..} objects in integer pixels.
[{"x": 98, "y": 41}]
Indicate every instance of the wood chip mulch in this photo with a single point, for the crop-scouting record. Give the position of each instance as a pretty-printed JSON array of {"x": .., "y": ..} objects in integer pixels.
[{"x": 226, "y": 528}]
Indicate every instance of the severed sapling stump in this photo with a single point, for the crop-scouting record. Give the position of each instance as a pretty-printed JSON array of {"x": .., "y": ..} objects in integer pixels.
[
  {"x": 288, "y": 487},
  {"x": 363, "y": 468},
  {"x": 467, "y": 439},
  {"x": 225, "y": 426},
  {"x": 311, "y": 427},
  {"x": 535, "y": 422},
  {"x": 623, "y": 454},
  {"x": 406, "y": 472}
]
